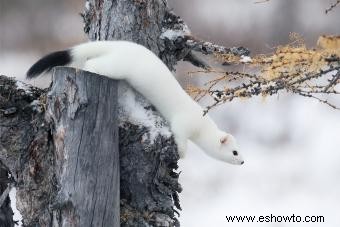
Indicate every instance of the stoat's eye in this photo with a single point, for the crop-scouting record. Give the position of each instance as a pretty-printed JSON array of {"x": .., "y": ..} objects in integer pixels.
[{"x": 235, "y": 153}]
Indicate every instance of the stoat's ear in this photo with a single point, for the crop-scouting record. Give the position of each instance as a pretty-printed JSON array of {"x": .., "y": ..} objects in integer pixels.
[{"x": 224, "y": 140}]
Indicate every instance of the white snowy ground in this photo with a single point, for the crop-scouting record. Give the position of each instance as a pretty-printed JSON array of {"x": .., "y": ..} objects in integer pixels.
[{"x": 292, "y": 152}]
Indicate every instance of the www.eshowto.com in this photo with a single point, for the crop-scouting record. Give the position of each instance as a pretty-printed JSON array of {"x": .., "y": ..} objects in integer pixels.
[{"x": 275, "y": 218}]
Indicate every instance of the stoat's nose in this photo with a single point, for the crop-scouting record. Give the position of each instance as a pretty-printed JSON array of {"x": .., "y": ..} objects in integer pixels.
[{"x": 242, "y": 162}]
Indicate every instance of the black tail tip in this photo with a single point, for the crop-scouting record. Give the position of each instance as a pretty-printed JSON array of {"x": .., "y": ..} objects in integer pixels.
[
  {"x": 46, "y": 63},
  {"x": 31, "y": 73}
]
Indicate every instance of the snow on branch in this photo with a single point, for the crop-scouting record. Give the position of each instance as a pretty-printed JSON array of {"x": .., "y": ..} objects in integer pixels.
[
  {"x": 211, "y": 48},
  {"x": 179, "y": 40},
  {"x": 313, "y": 73}
]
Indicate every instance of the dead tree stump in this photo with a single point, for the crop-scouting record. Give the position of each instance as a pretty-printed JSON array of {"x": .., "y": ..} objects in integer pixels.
[{"x": 83, "y": 108}]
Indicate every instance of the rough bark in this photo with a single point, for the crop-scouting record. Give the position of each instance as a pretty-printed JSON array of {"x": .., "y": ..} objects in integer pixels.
[{"x": 26, "y": 148}]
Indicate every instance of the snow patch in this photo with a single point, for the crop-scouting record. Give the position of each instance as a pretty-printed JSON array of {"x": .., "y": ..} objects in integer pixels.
[
  {"x": 135, "y": 109},
  {"x": 246, "y": 59},
  {"x": 173, "y": 34},
  {"x": 16, "y": 216},
  {"x": 22, "y": 86},
  {"x": 87, "y": 5},
  {"x": 36, "y": 105}
]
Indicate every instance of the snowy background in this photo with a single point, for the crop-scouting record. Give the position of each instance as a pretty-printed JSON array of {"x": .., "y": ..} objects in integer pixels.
[{"x": 291, "y": 144}]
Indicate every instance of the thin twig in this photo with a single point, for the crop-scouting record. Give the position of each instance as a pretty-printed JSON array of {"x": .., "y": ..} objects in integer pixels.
[
  {"x": 332, "y": 6},
  {"x": 333, "y": 82},
  {"x": 261, "y": 1},
  {"x": 257, "y": 86}
]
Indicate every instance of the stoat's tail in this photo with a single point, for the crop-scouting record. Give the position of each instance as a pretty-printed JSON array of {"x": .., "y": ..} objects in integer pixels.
[
  {"x": 51, "y": 60},
  {"x": 78, "y": 54}
]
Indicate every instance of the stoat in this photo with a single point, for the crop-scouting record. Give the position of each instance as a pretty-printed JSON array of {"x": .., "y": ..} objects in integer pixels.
[{"x": 144, "y": 71}]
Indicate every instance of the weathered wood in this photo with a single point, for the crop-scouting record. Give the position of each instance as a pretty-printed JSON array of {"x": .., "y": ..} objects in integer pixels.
[{"x": 83, "y": 109}]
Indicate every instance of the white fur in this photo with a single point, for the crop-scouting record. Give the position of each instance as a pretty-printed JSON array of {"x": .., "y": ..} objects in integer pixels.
[{"x": 151, "y": 77}]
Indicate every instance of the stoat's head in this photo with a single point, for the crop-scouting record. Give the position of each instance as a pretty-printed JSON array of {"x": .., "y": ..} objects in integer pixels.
[
  {"x": 228, "y": 150},
  {"x": 223, "y": 147}
]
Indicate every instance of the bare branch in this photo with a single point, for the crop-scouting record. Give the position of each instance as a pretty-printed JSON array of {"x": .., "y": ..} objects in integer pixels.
[
  {"x": 292, "y": 68},
  {"x": 333, "y": 82},
  {"x": 181, "y": 42},
  {"x": 255, "y": 85},
  {"x": 211, "y": 48},
  {"x": 261, "y": 1},
  {"x": 332, "y": 6}
]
